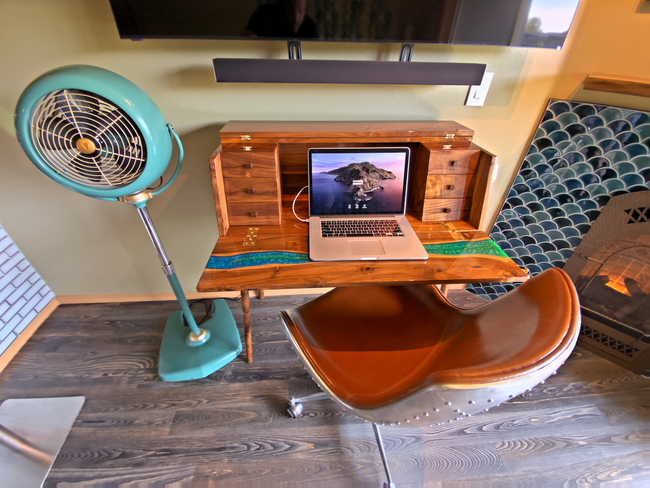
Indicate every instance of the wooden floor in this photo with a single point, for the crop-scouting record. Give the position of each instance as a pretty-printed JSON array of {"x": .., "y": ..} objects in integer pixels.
[{"x": 587, "y": 424}]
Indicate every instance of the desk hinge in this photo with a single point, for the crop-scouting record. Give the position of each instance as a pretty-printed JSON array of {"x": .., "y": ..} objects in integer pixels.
[{"x": 450, "y": 136}]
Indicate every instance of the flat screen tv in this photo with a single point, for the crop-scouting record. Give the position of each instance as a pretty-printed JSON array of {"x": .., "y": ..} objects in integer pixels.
[{"x": 532, "y": 23}]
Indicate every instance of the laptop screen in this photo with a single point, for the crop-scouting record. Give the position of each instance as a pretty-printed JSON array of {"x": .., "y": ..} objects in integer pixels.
[{"x": 358, "y": 181}]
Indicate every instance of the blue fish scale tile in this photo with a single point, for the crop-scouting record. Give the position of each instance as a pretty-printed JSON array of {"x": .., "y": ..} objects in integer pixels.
[{"x": 582, "y": 155}]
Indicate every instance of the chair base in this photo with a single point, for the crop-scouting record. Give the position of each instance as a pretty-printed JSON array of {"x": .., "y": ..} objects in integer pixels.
[
  {"x": 295, "y": 408},
  {"x": 180, "y": 362}
]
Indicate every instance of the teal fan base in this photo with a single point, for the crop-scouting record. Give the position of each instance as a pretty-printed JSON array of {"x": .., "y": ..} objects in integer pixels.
[{"x": 180, "y": 362}]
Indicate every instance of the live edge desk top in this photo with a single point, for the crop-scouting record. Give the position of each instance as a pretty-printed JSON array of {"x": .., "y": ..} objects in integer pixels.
[{"x": 276, "y": 257}]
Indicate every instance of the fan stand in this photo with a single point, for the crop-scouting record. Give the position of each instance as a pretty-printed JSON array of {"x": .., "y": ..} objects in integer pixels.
[{"x": 199, "y": 353}]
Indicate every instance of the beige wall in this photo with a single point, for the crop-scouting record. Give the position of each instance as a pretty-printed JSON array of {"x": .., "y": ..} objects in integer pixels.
[{"x": 83, "y": 246}]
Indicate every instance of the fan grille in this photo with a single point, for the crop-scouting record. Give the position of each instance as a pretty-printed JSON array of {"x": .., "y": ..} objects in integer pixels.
[{"x": 87, "y": 139}]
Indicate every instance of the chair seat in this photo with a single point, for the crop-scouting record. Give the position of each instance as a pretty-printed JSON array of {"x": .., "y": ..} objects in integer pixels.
[{"x": 374, "y": 345}]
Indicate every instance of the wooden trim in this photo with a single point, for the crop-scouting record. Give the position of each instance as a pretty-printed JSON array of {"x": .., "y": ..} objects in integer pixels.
[
  {"x": 484, "y": 177},
  {"x": 24, "y": 336},
  {"x": 140, "y": 297},
  {"x": 296, "y": 291},
  {"x": 638, "y": 88},
  {"x": 168, "y": 296},
  {"x": 218, "y": 189}
]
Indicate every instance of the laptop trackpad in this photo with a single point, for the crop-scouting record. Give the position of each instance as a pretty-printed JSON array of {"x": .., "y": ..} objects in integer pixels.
[{"x": 367, "y": 247}]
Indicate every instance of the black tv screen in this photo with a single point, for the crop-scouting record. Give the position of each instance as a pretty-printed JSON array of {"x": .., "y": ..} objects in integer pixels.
[{"x": 532, "y": 23}]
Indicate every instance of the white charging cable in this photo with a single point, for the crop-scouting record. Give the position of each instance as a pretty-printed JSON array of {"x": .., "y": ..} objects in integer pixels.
[{"x": 293, "y": 207}]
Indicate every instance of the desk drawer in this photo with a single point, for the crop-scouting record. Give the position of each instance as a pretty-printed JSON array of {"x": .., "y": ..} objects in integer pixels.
[
  {"x": 453, "y": 162},
  {"x": 248, "y": 146},
  {"x": 449, "y": 186},
  {"x": 249, "y": 165},
  {"x": 251, "y": 189},
  {"x": 446, "y": 209},
  {"x": 254, "y": 213}
]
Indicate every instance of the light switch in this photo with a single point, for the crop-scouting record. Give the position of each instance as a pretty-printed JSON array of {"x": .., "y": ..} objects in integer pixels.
[{"x": 477, "y": 93}]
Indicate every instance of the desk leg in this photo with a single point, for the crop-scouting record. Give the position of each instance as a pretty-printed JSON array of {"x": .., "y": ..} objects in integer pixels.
[
  {"x": 444, "y": 289},
  {"x": 246, "y": 308},
  {"x": 261, "y": 294}
]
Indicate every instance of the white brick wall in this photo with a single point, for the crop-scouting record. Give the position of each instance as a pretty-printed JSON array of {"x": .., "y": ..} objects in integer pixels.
[{"x": 23, "y": 293}]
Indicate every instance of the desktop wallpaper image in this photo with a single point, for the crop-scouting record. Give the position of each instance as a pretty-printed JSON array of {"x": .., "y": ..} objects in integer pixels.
[{"x": 357, "y": 183}]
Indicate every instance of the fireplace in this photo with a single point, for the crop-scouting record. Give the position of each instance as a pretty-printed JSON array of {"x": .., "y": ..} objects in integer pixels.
[{"x": 611, "y": 271}]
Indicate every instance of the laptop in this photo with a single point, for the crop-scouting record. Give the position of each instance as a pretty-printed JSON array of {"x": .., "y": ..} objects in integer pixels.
[{"x": 357, "y": 205}]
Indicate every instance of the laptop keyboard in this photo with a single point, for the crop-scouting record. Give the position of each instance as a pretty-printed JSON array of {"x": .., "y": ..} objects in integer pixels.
[{"x": 360, "y": 228}]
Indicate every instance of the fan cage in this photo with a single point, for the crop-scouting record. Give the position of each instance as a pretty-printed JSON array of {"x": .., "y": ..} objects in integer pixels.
[{"x": 87, "y": 139}]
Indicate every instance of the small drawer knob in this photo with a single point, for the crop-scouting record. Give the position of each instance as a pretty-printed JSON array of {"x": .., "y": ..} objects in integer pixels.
[
  {"x": 252, "y": 214},
  {"x": 248, "y": 165},
  {"x": 446, "y": 210},
  {"x": 251, "y": 190},
  {"x": 451, "y": 187},
  {"x": 248, "y": 148},
  {"x": 455, "y": 163}
]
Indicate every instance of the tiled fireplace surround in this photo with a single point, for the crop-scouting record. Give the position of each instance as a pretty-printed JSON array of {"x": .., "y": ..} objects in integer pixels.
[{"x": 583, "y": 157}]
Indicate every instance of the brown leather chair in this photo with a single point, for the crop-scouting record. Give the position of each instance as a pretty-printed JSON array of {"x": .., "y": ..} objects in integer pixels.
[{"x": 403, "y": 355}]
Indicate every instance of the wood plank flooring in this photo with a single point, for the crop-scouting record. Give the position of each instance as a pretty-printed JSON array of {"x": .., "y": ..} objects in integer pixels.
[{"x": 587, "y": 424}]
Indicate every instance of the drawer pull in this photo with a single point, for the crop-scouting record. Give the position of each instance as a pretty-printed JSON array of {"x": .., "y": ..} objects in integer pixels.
[
  {"x": 455, "y": 163},
  {"x": 251, "y": 190},
  {"x": 252, "y": 214},
  {"x": 248, "y": 148},
  {"x": 248, "y": 165},
  {"x": 451, "y": 187},
  {"x": 245, "y": 137},
  {"x": 446, "y": 210}
]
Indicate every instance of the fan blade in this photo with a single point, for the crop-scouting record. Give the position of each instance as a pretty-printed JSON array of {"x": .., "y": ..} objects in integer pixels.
[
  {"x": 68, "y": 101},
  {"x": 56, "y": 133},
  {"x": 76, "y": 108},
  {"x": 86, "y": 168}
]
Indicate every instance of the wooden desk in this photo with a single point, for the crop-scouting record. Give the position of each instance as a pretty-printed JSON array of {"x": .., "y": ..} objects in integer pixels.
[
  {"x": 279, "y": 259},
  {"x": 261, "y": 166}
]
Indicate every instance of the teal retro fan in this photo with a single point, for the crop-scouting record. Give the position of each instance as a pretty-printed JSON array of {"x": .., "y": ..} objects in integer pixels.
[{"x": 96, "y": 133}]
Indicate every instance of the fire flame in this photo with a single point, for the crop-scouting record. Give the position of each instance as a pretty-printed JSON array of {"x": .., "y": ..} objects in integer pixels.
[{"x": 617, "y": 285}]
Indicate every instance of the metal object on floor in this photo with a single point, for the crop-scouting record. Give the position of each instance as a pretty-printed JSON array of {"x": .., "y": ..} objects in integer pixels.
[
  {"x": 32, "y": 433},
  {"x": 294, "y": 408}
]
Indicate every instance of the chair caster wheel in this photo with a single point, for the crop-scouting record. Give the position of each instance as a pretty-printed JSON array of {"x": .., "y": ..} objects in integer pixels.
[{"x": 294, "y": 410}]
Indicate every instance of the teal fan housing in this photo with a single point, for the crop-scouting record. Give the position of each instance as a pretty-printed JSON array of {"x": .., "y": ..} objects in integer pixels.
[
  {"x": 93, "y": 131},
  {"x": 96, "y": 133}
]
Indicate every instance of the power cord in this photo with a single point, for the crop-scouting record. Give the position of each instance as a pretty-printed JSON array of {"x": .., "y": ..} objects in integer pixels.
[
  {"x": 209, "y": 310},
  {"x": 293, "y": 206}
]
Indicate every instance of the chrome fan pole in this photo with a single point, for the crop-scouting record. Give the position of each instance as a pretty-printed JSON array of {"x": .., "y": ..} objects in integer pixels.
[
  {"x": 205, "y": 349},
  {"x": 197, "y": 336}
]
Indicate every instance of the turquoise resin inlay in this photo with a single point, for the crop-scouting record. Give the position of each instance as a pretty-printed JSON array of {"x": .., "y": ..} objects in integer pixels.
[
  {"x": 256, "y": 259},
  {"x": 486, "y": 246}
]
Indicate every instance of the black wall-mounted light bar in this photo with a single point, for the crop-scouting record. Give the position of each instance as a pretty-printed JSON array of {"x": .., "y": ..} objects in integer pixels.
[{"x": 236, "y": 70}]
